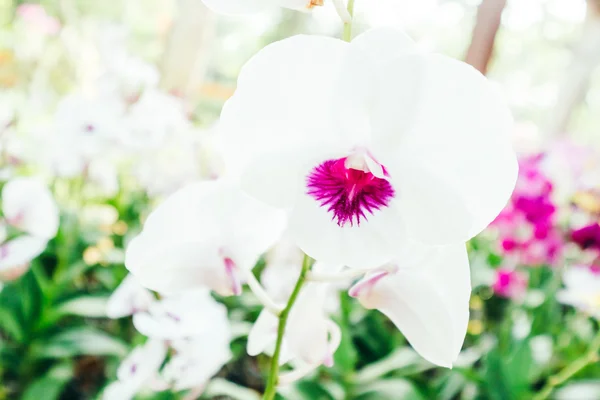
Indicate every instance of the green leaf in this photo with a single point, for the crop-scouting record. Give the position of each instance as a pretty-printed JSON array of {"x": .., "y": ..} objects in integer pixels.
[
  {"x": 21, "y": 307},
  {"x": 85, "y": 306},
  {"x": 496, "y": 381},
  {"x": 10, "y": 325},
  {"x": 50, "y": 386},
  {"x": 79, "y": 341},
  {"x": 451, "y": 385},
  {"x": 403, "y": 359},
  {"x": 313, "y": 390},
  {"x": 390, "y": 389}
]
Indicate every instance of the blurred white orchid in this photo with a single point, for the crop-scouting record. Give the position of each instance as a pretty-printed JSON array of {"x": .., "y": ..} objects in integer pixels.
[
  {"x": 582, "y": 290},
  {"x": 185, "y": 315},
  {"x": 28, "y": 206},
  {"x": 183, "y": 157},
  {"x": 128, "y": 299},
  {"x": 85, "y": 128},
  {"x": 251, "y": 6},
  {"x": 426, "y": 295},
  {"x": 208, "y": 234},
  {"x": 369, "y": 143},
  {"x": 310, "y": 337},
  {"x": 196, "y": 360},
  {"x": 138, "y": 371},
  {"x": 153, "y": 118}
]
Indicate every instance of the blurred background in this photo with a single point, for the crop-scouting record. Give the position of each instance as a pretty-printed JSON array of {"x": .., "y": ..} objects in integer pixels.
[{"x": 106, "y": 107}]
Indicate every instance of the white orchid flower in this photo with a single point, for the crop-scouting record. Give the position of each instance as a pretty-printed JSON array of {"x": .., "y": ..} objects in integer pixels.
[
  {"x": 137, "y": 371},
  {"x": 128, "y": 299},
  {"x": 197, "y": 359},
  {"x": 370, "y": 143},
  {"x": 186, "y": 315},
  {"x": 208, "y": 234},
  {"x": 310, "y": 337},
  {"x": 28, "y": 205},
  {"x": 582, "y": 290}
]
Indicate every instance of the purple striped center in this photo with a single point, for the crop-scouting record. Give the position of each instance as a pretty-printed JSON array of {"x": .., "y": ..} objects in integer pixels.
[{"x": 350, "y": 195}]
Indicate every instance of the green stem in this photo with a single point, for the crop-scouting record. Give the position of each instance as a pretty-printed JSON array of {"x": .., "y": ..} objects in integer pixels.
[
  {"x": 347, "y": 36},
  {"x": 271, "y": 389},
  {"x": 588, "y": 358}
]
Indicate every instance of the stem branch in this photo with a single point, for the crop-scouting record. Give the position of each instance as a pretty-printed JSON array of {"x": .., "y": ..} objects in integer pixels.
[
  {"x": 588, "y": 358},
  {"x": 347, "y": 36},
  {"x": 283, "y": 316}
]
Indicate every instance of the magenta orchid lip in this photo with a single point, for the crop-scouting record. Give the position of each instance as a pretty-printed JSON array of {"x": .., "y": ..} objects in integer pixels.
[{"x": 349, "y": 194}]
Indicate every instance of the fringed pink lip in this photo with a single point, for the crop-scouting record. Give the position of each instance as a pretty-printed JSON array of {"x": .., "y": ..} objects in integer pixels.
[{"x": 349, "y": 194}]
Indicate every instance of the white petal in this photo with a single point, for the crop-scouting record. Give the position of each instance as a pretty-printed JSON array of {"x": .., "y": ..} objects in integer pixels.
[
  {"x": 283, "y": 99},
  {"x": 275, "y": 177},
  {"x": 370, "y": 244},
  {"x": 263, "y": 333},
  {"x": 171, "y": 267},
  {"x": 186, "y": 239},
  {"x": 129, "y": 298},
  {"x": 119, "y": 391},
  {"x": 307, "y": 328},
  {"x": 428, "y": 301},
  {"x": 461, "y": 130},
  {"x": 357, "y": 84},
  {"x": 232, "y": 7},
  {"x": 433, "y": 210},
  {"x": 186, "y": 315},
  {"x": 20, "y": 251},
  {"x": 197, "y": 359},
  {"x": 28, "y": 204},
  {"x": 138, "y": 369}
]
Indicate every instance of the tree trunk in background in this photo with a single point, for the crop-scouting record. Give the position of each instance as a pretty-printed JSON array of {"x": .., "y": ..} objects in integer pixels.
[
  {"x": 480, "y": 51},
  {"x": 586, "y": 57},
  {"x": 185, "y": 59}
]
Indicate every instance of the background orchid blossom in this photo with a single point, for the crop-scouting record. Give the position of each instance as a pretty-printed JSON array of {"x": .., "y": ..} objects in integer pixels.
[
  {"x": 582, "y": 290},
  {"x": 138, "y": 371},
  {"x": 252, "y": 6},
  {"x": 369, "y": 143},
  {"x": 29, "y": 208},
  {"x": 310, "y": 338},
  {"x": 208, "y": 234},
  {"x": 128, "y": 299},
  {"x": 177, "y": 317}
]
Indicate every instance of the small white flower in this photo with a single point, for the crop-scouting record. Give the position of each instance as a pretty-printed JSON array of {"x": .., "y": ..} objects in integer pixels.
[
  {"x": 84, "y": 128},
  {"x": 185, "y": 315},
  {"x": 16, "y": 254},
  {"x": 128, "y": 299},
  {"x": 426, "y": 295},
  {"x": 582, "y": 290},
  {"x": 137, "y": 371},
  {"x": 252, "y": 6},
  {"x": 28, "y": 205},
  {"x": 368, "y": 143},
  {"x": 197, "y": 359},
  {"x": 154, "y": 117},
  {"x": 208, "y": 234},
  {"x": 178, "y": 161},
  {"x": 310, "y": 336}
]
